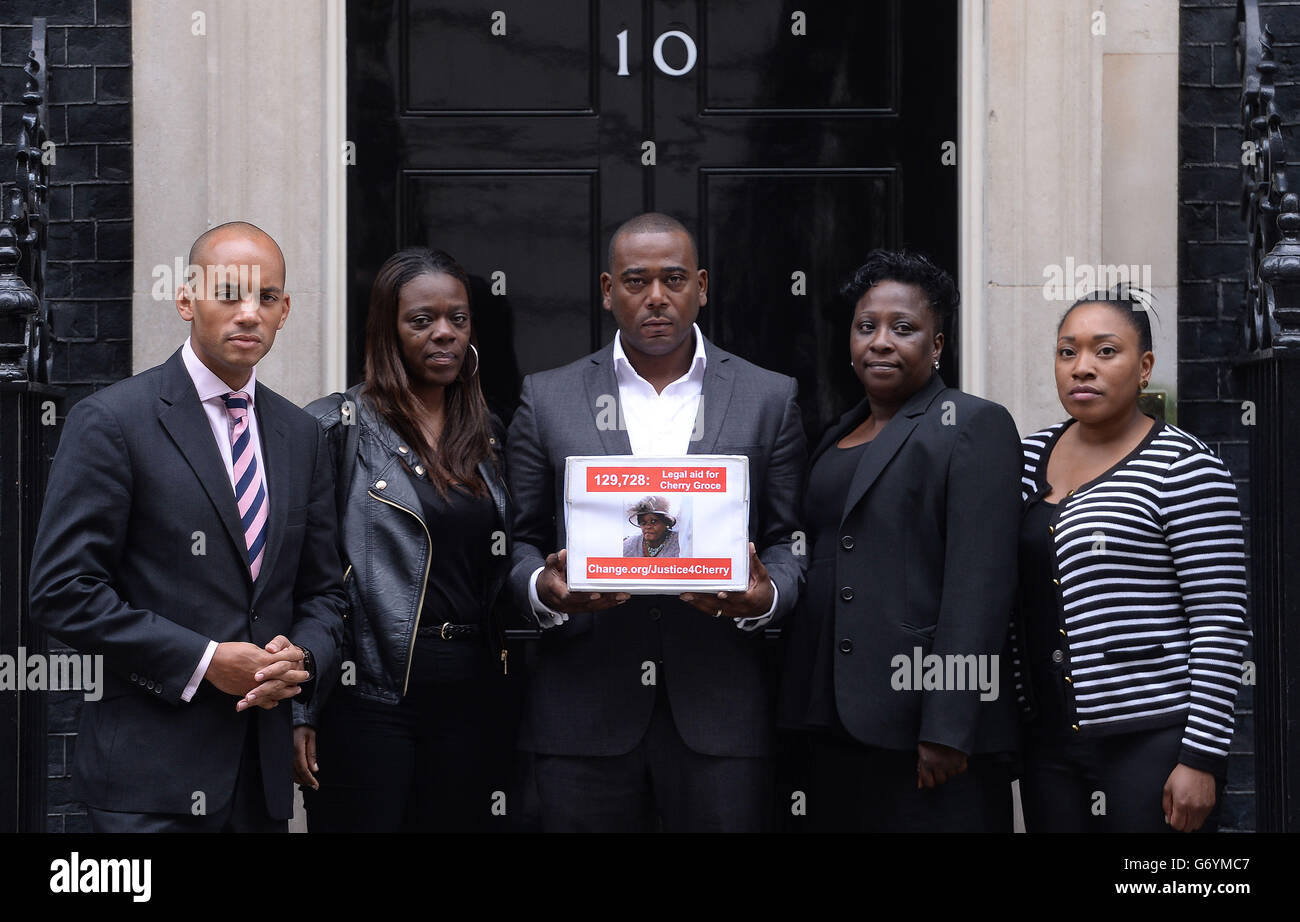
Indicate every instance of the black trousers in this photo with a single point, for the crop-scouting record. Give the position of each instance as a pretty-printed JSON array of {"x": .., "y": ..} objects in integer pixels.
[
  {"x": 661, "y": 785},
  {"x": 437, "y": 761},
  {"x": 245, "y": 811},
  {"x": 857, "y": 788},
  {"x": 1103, "y": 784}
]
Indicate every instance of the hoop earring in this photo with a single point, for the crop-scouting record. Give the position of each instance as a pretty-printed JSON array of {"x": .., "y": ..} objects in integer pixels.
[{"x": 470, "y": 374}]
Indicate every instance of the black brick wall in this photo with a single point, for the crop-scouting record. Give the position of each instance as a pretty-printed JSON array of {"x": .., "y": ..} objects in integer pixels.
[
  {"x": 1213, "y": 260},
  {"x": 88, "y": 52}
]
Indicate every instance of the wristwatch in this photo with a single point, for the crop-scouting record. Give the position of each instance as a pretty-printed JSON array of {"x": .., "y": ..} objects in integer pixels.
[{"x": 308, "y": 663}]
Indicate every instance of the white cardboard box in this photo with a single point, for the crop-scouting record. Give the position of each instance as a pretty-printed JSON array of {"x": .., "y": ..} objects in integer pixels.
[{"x": 706, "y": 547}]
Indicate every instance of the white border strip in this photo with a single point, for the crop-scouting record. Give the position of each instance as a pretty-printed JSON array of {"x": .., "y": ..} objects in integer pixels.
[
  {"x": 972, "y": 76},
  {"x": 334, "y": 291}
]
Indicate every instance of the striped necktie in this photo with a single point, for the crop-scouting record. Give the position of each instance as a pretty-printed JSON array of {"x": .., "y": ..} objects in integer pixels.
[{"x": 249, "y": 493}]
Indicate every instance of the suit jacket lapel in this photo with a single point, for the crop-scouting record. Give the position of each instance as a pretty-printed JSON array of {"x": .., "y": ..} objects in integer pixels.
[
  {"x": 715, "y": 398},
  {"x": 889, "y": 441},
  {"x": 839, "y": 429},
  {"x": 183, "y": 417},
  {"x": 602, "y": 386},
  {"x": 275, "y": 457}
]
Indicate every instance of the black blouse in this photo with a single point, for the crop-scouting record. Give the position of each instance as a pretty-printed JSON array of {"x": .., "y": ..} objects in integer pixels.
[
  {"x": 1044, "y": 647},
  {"x": 810, "y": 662},
  {"x": 460, "y": 529}
]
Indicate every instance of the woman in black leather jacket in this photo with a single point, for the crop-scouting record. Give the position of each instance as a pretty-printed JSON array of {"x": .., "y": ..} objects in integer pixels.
[{"x": 411, "y": 735}]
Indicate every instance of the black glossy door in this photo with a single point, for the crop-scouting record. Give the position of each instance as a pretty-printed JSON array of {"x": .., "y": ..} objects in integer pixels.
[{"x": 793, "y": 136}]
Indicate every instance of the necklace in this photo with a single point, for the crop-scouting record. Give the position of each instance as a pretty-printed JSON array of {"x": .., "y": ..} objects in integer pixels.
[{"x": 653, "y": 551}]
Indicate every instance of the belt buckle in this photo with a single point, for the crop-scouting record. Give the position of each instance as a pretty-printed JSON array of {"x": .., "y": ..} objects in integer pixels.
[{"x": 442, "y": 631}]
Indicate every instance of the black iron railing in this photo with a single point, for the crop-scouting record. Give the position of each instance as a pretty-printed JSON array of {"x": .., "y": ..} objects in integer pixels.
[
  {"x": 29, "y": 410},
  {"x": 1270, "y": 371}
]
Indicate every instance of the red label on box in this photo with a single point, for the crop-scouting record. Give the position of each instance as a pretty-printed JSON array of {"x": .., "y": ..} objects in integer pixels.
[
  {"x": 692, "y": 479},
  {"x": 706, "y": 568}
]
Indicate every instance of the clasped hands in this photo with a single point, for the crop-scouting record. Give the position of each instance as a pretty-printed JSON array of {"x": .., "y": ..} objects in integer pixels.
[
  {"x": 553, "y": 590},
  {"x": 258, "y": 676}
]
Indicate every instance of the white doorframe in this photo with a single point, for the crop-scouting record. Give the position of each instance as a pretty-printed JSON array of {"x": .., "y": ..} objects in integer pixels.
[
  {"x": 334, "y": 277},
  {"x": 972, "y": 76}
]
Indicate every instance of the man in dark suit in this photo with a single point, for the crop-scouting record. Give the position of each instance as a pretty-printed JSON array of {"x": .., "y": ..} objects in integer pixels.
[
  {"x": 188, "y": 538},
  {"x": 654, "y": 711}
]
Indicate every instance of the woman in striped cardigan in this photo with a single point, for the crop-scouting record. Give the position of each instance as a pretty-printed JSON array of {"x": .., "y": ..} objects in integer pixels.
[{"x": 1131, "y": 631}]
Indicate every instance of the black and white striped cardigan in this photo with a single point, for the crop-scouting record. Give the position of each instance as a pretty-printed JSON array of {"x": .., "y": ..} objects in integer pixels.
[{"x": 1150, "y": 565}]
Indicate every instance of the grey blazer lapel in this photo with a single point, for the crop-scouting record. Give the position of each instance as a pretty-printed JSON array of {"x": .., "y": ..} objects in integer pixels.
[
  {"x": 275, "y": 457},
  {"x": 715, "y": 398},
  {"x": 602, "y": 402},
  {"x": 889, "y": 441},
  {"x": 183, "y": 417}
]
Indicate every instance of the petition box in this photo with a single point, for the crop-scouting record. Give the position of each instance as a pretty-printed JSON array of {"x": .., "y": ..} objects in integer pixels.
[{"x": 657, "y": 525}]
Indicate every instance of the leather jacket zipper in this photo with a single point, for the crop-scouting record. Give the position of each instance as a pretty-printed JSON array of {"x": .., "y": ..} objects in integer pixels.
[
  {"x": 424, "y": 584},
  {"x": 491, "y": 478}
]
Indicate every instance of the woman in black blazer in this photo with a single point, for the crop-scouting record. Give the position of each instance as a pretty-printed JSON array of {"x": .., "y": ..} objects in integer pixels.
[
  {"x": 896, "y": 662},
  {"x": 1132, "y": 596}
]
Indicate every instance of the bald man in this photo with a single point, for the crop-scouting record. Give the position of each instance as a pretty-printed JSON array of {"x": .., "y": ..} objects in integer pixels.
[{"x": 188, "y": 537}]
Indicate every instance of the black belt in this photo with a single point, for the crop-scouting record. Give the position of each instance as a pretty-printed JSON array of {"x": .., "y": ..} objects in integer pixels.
[{"x": 448, "y": 631}]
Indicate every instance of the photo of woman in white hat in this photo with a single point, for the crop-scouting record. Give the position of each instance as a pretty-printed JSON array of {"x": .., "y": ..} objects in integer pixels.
[{"x": 658, "y": 535}]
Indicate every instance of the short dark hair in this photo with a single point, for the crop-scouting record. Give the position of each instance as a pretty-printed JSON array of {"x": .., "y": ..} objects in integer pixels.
[
  {"x": 250, "y": 230},
  {"x": 1133, "y": 303},
  {"x": 909, "y": 268},
  {"x": 652, "y": 222}
]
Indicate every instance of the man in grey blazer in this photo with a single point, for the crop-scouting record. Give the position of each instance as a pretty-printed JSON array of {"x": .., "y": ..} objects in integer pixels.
[
  {"x": 654, "y": 712},
  {"x": 188, "y": 537}
]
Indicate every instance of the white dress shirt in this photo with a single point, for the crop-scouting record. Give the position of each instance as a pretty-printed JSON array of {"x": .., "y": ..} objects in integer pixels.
[
  {"x": 211, "y": 390},
  {"x": 659, "y": 425}
]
